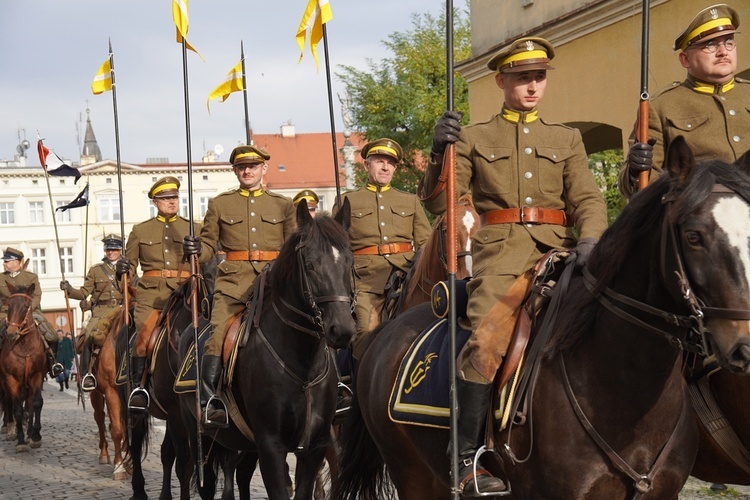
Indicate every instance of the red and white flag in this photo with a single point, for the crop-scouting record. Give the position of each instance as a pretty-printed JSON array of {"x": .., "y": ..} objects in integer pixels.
[{"x": 54, "y": 165}]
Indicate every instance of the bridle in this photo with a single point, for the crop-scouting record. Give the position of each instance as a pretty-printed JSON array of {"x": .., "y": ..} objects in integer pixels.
[
  {"x": 315, "y": 319},
  {"x": 24, "y": 326}
]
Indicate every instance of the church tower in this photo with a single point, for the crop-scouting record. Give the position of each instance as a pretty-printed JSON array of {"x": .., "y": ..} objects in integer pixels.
[{"x": 91, "y": 153}]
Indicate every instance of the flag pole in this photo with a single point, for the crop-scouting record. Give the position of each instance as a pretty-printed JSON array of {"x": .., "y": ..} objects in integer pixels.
[
  {"x": 331, "y": 116},
  {"x": 194, "y": 267},
  {"x": 248, "y": 133},
  {"x": 452, "y": 255}
]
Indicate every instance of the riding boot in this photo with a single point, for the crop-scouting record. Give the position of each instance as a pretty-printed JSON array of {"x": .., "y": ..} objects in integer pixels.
[
  {"x": 55, "y": 368},
  {"x": 214, "y": 412},
  {"x": 139, "y": 399},
  {"x": 473, "y": 401}
]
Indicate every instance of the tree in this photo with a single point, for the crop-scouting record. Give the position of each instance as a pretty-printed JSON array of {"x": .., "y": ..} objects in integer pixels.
[
  {"x": 402, "y": 97},
  {"x": 606, "y": 167}
]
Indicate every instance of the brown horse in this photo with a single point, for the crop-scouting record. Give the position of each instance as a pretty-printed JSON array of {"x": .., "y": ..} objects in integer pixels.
[
  {"x": 606, "y": 413},
  {"x": 430, "y": 261},
  {"x": 24, "y": 364},
  {"x": 109, "y": 397}
]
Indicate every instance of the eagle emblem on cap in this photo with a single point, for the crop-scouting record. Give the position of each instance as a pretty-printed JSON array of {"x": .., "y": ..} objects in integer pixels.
[
  {"x": 714, "y": 13},
  {"x": 529, "y": 45}
]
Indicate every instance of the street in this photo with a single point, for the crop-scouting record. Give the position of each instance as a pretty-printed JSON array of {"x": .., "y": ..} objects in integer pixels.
[{"x": 66, "y": 466}]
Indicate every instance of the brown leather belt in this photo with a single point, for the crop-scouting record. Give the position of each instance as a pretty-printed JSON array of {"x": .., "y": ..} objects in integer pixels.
[
  {"x": 252, "y": 255},
  {"x": 111, "y": 303},
  {"x": 386, "y": 249},
  {"x": 165, "y": 273},
  {"x": 525, "y": 215}
]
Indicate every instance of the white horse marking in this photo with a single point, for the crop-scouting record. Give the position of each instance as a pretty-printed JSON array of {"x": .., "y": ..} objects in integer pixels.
[
  {"x": 336, "y": 254},
  {"x": 732, "y": 215}
]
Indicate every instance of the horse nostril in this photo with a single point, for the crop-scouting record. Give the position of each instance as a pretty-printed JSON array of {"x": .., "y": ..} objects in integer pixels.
[{"x": 741, "y": 354}]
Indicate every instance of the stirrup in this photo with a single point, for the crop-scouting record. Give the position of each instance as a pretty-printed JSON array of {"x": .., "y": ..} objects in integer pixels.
[
  {"x": 347, "y": 391},
  {"x": 507, "y": 492},
  {"x": 88, "y": 379},
  {"x": 139, "y": 391},
  {"x": 221, "y": 424},
  {"x": 57, "y": 369}
]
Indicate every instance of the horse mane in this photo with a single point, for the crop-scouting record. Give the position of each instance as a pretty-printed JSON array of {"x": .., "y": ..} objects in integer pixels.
[
  {"x": 640, "y": 219},
  {"x": 320, "y": 233}
]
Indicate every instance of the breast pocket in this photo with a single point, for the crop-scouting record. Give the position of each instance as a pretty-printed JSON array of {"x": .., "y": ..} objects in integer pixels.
[
  {"x": 403, "y": 221},
  {"x": 364, "y": 224},
  {"x": 233, "y": 231},
  {"x": 493, "y": 170},
  {"x": 685, "y": 125},
  {"x": 273, "y": 230},
  {"x": 551, "y": 166}
]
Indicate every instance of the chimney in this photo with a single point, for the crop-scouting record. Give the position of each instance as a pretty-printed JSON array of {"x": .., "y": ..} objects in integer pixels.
[{"x": 287, "y": 130}]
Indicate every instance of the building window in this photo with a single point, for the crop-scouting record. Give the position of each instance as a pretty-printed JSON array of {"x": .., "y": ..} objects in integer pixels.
[
  {"x": 62, "y": 216},
  {"x": 36, "y": 212},
  {"x": 109, "y": 209},
  {"x": 66, "y": 259},
  {"x": 39, "y": 261},
  {"x": 108, "y": 180},
  {"x": 282, "y": 168},
  {"x": 7, "y": 213},
  {"x": 184, "y": 205},
  {"x": 203, "y": 202},
  {"x": 205, "y": 177}
]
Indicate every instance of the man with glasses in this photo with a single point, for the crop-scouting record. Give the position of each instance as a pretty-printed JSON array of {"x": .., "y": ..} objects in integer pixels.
[
  {"x": 106, "y": 298},
  {"x": 709, "y": 108},
  {"x": 250, "y": 224},
  {"x": 155, "y": 245}
]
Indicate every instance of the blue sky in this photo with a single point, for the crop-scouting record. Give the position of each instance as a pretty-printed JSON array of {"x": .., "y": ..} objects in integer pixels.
[{"x": 50, "y": 51}]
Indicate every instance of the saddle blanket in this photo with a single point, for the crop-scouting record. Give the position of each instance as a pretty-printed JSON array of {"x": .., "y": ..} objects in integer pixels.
[
  {"x": 122, "y": 371},
  {"x": 185, "y": 379},
  {"x": 421, "y": 392}
]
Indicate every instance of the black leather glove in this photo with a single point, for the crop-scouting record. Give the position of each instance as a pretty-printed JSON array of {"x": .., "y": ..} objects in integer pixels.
[
  {"x": 640, "y": 157},
  {"x": 122, "y": 267},
  {"x": 446, "y": 131},
  {"x": 65, "y": 286},
  {"x": 582, "y": 251},
  {"x": 191, "y": 245}
]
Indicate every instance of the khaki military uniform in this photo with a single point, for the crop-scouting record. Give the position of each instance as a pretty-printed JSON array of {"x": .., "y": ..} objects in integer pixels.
[
  {"x": 23, "y": 278},
  {"x": 713, "y": 119},
  {"x": 237, "y": 222},
  {"x": 381, "y": 216},
  {"x": 156, "y": 245},
  {"x": 511, "y": 164},
  {"x": 102, "y": 286}
]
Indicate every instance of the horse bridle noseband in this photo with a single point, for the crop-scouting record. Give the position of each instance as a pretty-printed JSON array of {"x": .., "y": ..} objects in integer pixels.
[{"x": 24, "y": 326}]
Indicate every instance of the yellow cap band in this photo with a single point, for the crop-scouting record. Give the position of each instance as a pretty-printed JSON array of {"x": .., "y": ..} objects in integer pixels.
[
  {"x": 714, "y": 23},
  {"x": 385, "y": 149},
  {"x": 250, "y": 154},
  {"x": 308, "y": 198},
  {"x": 164, "y": 187},
  {"x": 522, "y": 56}
]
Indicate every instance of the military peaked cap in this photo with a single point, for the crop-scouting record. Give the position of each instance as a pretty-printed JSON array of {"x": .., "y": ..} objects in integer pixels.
[
  {"x": 309, "y": 196},
  {"x": 112, "y": 242},
  {"x": 12, "y": 254},
  {"x": 165, "y": 188},
  {"x": 384, "y": 146},
  {"x": 712, "y": 22},
  {"x": 248, "y": 154},
  {"x": 525, "y": 54}
]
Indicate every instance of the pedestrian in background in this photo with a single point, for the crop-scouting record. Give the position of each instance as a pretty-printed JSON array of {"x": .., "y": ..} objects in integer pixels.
[{"x": 65, "y": 353}]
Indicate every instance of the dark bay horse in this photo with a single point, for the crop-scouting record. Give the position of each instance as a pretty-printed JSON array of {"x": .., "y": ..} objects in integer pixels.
[
  {"x": 24, "y": 363},
  {"x": 430, "y": 261},
  {"x": 607, "y": 413},
  {"x": 285, "y": 381}
]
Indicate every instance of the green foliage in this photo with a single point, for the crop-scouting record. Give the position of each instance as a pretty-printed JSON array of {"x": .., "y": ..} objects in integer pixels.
[
  {"x": 606, "y": 168},
  {"x": 401, "y": 97}
]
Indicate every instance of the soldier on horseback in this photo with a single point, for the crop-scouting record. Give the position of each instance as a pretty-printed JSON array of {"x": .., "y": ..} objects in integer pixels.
[
  {"x": 102, "y": 286},
  {"x": 16, "y": 274},
  {"x": 530, "y": 184},
  {"x": 250, "y": 224},
  {"x": 155, "y": 245}
]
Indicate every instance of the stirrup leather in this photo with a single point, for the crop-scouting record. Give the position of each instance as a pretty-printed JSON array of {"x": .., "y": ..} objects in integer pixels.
[
  {"x": 216, "y": 402},
  {"x": 139, "y": 391},
  {"x": 91, "y": 377},
  {"x": 482, "y": 472}
]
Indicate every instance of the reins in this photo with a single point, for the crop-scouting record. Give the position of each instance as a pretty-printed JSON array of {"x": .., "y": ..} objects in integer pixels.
[{"x": 24, "y": 327}]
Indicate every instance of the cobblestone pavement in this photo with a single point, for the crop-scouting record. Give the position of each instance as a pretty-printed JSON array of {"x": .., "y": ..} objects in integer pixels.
[{"x": 66, "y": 466}]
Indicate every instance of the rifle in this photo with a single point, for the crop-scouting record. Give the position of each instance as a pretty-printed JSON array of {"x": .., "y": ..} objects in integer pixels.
[{"x": 642, "y": 132}]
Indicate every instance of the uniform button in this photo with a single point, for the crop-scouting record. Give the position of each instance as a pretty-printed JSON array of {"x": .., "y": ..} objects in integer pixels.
[
  {"x": 359, "y": 213},
  {"x": 252, "y": 201},
  {"x": 252, "y": 229},
  {"x": 380, "y": 195},
  {"x": 255, "y": 245},
  {"x": 554, "y": 157},
  {"x": 492, "y": 156},
  {"x": 382, "y": 207},
  {"x": 529, "y": 225},
  {"x": 167, "y": 263},
  {"x": 526, "y": 130},
  {"x": 484, "y": 238},
  {"x": 252, "y": 214},
  {"x": 723, "y": 98},
  {"x": 732, "y": 112},
  {"x": 231, "y": 220},
  {"x": 274, "y": 219},
  {"x": 528, "y": 175},
  {"x": 736, "y": 138},
  {"x": 528, "y": 200},
  {"x": 166, "y": 250},
  {"x": 689, "y": 125},
  {"x": 382, "y": 223},
  {"x": 527, "y": 151},
  {"x": 385, "y": 238}
]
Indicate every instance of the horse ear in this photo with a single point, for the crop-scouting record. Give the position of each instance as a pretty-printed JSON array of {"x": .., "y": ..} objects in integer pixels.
[
  {"x": 303, "y": 214},
  {"x": 30, "y": 290},
  {"x": 680, "y": 161},
  {"x": 11, "y": 287},
  {"x": 344, "y": 215}
]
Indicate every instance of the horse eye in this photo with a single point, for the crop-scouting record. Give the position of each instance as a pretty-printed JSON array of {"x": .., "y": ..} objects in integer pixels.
[
  {"x": 694, "y": 238},
  {"x": 309, "y": 266}
]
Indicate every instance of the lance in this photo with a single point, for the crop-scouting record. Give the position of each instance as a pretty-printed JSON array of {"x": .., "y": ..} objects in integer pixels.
[
  {"x": 449, "y": 170},
  {"x": 330, "y": 114},
  {"x": 194, "y": 267},
  {"x": 642, "y": 134},
  {"x": 248, "y": 132}
]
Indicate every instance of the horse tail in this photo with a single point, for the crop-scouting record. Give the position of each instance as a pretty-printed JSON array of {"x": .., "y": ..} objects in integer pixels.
[{"x": 362, "y": 473}]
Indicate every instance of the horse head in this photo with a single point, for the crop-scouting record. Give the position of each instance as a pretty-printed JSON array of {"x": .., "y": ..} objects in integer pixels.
[
  {"x": 19, "y": 309},
  {"x": 320, "y": 274},
  {"x": 707, "y": 228}
]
